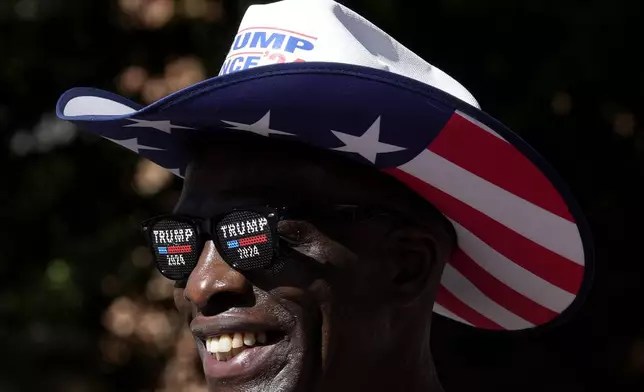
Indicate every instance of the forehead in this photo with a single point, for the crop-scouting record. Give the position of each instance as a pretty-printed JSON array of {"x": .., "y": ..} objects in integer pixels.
[{"x": 238, "y": 171}]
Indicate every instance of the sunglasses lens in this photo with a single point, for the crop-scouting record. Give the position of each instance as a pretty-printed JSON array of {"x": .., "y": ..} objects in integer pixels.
[
  {"x": 246, "y": 240},
  {"x": 174, "y": 243}
]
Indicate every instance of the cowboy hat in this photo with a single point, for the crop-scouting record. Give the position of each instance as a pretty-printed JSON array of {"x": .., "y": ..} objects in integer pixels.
[{"x": 320, "y": 74}]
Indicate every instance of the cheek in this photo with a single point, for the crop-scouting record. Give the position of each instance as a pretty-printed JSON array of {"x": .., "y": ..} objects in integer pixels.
[
  {"x": 312, "y": 306},
  {"x": 181, "y": 303},
  {"x": 307, "y": 303},
  {"x": 321, "y": 296}
]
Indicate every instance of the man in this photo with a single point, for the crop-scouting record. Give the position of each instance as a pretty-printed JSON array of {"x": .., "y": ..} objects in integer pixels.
[{"x": 331, "y": 203}]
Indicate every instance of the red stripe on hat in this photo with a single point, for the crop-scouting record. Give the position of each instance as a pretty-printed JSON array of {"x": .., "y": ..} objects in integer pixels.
[
  {"x": 462, "y": 142},
  {"x": 460, "y": 309},
  {"x": 499, "y": 292},
  {"x": 541, "y": 261}
]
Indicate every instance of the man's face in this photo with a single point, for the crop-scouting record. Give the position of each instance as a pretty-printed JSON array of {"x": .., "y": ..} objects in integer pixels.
[{"x": 326, "y": 317}]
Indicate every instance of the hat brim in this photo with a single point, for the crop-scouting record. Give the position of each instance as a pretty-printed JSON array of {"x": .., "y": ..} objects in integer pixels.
[{"x": 524, "y": 254}]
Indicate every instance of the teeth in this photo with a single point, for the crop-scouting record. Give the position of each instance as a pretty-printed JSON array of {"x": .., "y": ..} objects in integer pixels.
[
  {"x": 261, "y": 337},
  {"x": 225, "y": 343},
  {"x": 214, "y": 345},
  {"x": 238, "y": 340},
  {"x": 249, "y": 338},
  {"x": 226, "y": 346}
]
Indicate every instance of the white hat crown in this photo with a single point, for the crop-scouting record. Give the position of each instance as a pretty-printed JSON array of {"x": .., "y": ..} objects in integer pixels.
[{"x": 323, "y": 30}]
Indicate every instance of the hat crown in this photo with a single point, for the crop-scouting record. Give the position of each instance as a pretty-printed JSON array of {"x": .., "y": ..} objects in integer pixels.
[{"x": 325, "y": 31}]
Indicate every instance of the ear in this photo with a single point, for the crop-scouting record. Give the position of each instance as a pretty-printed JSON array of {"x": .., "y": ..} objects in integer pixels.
[{"x": 416, "y": 256}]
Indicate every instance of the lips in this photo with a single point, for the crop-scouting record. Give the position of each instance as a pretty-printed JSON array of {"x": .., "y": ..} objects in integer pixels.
[{"x": 227, "y": 349}]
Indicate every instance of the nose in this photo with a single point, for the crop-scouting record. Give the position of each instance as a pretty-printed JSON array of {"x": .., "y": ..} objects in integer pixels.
[{"x": 214, "y": 279}]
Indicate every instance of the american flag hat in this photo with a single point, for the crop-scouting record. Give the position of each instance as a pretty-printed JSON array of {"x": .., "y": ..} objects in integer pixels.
[{"x": 317, "y": 72}]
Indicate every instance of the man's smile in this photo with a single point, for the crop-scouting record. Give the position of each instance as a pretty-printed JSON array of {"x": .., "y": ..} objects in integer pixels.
[{"x": 240, "y": 344}]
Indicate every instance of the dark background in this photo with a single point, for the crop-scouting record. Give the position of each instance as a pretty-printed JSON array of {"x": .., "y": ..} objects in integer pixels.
[{"x": 81, "y": 309}]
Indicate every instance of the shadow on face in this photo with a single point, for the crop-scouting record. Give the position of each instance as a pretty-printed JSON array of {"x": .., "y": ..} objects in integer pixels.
[{"x": 346, "y": 289}]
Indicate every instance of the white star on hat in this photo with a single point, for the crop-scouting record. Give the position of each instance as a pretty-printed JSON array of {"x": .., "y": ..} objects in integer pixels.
[
  {"x": 133, "y": 145},
  {"x": 261, "y": 127},
  {"x": 367, "y": 145},
  {"x": 162, "y": 125}
]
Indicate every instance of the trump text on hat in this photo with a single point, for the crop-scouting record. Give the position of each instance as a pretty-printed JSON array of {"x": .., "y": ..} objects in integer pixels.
[{"x": 257, "y": 46}]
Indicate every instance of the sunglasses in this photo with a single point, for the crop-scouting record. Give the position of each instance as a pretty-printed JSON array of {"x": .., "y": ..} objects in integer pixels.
[{"x": 247, "y": 238}]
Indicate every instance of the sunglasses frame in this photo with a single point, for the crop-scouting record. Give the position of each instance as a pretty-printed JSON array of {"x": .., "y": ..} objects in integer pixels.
[{"x": 205, "y": 227}]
